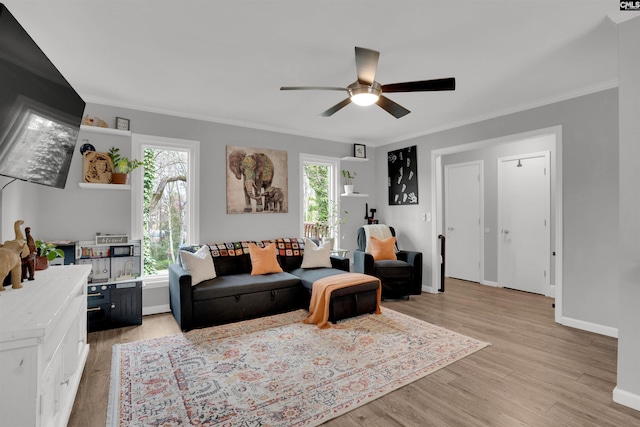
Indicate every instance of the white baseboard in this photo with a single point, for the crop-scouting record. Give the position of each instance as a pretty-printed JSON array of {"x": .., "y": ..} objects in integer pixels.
[
  {"x": 589, "y": 327},
  {"x": 489, "y": 283},
  {"x": 155, "y": 309},
  {"x": 626, "y": 398},
  {"x": 429, "y": 289}
]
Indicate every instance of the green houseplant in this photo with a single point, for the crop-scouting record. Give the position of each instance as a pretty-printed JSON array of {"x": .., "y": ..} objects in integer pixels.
[
  {"x": 121, "y": 166},
  {"x": 348, "y": 181},
  {"x": 46, "y": 252}
]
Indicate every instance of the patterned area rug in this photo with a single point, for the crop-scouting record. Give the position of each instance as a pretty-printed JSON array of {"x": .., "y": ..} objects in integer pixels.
[{"x": 275, "y": 371}]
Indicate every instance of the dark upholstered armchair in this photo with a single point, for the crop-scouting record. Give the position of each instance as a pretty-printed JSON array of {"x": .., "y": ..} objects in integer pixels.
[{"x": 400, "y": 278}]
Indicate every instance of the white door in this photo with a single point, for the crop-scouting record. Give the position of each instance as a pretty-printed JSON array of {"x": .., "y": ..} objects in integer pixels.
[
  {"x": 523, "y": 222},
  {"x": 463, "y": 220}
]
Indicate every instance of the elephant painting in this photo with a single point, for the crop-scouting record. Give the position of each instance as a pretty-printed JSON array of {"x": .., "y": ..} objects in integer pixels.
[{"x": 257, "y": 170}]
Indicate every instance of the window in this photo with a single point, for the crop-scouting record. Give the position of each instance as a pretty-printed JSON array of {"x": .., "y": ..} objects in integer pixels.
[
  {"x": 320, "y": 203},
  {"x": 164, "y": 199}
]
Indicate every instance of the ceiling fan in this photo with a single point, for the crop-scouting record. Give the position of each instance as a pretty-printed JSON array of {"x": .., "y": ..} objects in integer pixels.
[{"x": 366, "y": 91}]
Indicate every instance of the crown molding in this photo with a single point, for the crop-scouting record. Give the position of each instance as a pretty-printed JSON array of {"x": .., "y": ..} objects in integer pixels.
[
  {"x": 515, "y": 109},
  {"x": 495, "y": 114},
  {"x": 217, "y": 120},
  {"x": 621, "y": 16}
]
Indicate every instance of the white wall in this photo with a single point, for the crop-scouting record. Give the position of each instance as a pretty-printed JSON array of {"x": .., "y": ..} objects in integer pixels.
[
  {"x": 627, "y": 390},
  {"x": 590, "y": 196}
]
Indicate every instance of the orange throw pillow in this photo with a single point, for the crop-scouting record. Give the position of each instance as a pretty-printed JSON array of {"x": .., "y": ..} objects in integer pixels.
[
  {"x": 264, "y": 261},
  {"x": 383, "y": 248}
]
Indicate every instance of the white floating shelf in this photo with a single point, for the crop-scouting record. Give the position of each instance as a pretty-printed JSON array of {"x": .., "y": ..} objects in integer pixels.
[
  {"x": 354, "y": 195},
  {"x": 92, "y": 186},
  {"x": 106, "y": 131},
  {"x": 355, "y": 159}
]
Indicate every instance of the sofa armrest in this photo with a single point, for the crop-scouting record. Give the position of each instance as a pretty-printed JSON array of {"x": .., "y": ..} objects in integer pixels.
[
  {"x": 363, "y": 262},
  {"x": 414, "y": 259},
  {"x": 340, "y": 262},
  {"x": 180, "y": 296}
]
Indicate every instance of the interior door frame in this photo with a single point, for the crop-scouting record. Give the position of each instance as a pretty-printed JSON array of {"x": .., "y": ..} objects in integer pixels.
[
  {"x": 547, "y": 155},
  {"x": 480, "y": 165},
  {"x": 556, "y": 183}
]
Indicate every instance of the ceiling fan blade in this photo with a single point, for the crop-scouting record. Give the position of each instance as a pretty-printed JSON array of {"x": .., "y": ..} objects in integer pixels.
[
  {"x": 339, "y": 106},
  {"x": 393, "y": 108},
  {"x": 312, "y": 88},
  {"x": 366, "y": 65},
  {"x": 421, "y": 86}
]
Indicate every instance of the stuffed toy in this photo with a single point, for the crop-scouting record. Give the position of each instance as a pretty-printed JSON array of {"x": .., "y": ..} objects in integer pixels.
[{"x": 11, "y": 254}]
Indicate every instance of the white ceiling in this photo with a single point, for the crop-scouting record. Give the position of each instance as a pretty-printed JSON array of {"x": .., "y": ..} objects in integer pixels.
[{"x": 225, "y": 61}]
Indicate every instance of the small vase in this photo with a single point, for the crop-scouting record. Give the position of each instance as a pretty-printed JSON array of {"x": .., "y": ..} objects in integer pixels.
[
  {"x": 348, "y": 189},
  {"x": 119, "y": 178}
]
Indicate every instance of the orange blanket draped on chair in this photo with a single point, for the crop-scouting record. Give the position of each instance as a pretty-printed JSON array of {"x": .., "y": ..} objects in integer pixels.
[{"x": 321, "y": 295}]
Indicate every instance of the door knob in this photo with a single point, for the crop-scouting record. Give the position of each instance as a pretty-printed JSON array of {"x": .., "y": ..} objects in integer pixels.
[{"x": 505, "y": 231}]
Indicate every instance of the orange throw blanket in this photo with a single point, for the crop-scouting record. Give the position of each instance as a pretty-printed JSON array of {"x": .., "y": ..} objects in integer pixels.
[{"x": 321, "y": 295}]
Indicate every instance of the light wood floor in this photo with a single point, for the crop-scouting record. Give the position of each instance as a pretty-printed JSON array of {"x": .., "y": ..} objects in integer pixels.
[{"x": 535, "y": 373}]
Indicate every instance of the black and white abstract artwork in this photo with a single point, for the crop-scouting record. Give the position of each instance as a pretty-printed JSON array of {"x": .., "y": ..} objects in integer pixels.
[{"x": 403, "y": 176}]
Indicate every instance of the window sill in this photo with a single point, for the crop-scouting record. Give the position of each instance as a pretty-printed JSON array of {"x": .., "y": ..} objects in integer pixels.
[{"x": 156, "y": 281}]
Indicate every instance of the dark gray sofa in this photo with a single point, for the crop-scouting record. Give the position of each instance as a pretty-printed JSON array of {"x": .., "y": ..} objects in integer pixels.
[{"x": 235, "y": 294}]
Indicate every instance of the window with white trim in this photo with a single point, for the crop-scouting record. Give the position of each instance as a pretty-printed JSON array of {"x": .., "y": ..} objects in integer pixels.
[
  {"x": 320, "y": 202},
  {"x": 165, "y": 199}
]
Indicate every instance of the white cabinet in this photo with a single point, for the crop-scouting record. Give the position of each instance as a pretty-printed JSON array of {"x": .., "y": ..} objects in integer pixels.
[{"x": 43, "y": 346}]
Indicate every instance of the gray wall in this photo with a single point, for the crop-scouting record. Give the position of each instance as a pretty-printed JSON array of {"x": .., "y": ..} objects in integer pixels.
[
  {"x": 590, "y": 179},
  {"x": 489, "y": 157},
  {"x": 590, "y": 195},
  {"x": 77, "y": 214},
  {"x": 590, "y": 191}
]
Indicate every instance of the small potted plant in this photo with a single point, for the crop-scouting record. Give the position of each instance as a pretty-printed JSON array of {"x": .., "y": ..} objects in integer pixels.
[
  {"x": 348, "y": 181},
  {"x": 121, "y": 166},
  {"x": 46, "y": 252}
]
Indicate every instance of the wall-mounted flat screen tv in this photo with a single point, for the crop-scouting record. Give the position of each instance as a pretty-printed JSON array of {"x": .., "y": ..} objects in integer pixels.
[{"x": 40, "y": 113}]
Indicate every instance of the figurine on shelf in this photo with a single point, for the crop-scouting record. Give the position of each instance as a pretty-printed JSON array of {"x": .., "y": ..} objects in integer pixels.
[
  {"x": 94, "y": 121},
  {"x": 11, "y": 254},
  {"x": 370, "y": 219},
  {"x": 29, "y": 262},
  {"x": 87, "y": 121}
]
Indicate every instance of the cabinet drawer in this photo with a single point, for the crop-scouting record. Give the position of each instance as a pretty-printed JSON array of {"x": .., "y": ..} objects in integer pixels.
[
  {"x": 51, "y": 391},
  {"x": 98, "y": 317},
  {"x": 98, "y": 295}
]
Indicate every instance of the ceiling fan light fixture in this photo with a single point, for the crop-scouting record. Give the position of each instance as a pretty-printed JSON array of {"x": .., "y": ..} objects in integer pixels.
[
  {"x": 364, "y": 99},
  {"x": 366, "y": 90},
  {"x": 364, "y": 95}
]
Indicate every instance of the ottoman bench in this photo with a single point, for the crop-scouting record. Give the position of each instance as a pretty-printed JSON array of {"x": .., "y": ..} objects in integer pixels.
[
  {"x": 353, "y": 301},
  {"x": 346, "y": 300}
]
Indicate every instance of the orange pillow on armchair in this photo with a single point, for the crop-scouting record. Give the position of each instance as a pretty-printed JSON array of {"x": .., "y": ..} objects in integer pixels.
[{"x": 383, "y": 248}]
